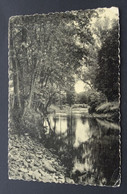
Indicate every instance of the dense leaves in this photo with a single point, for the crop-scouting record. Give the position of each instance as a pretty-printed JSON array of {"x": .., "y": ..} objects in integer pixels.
[
  {"x": 49, "y": 53},
  {"x": 107, "y": 75},
  {"x": 45, "y": 52}
]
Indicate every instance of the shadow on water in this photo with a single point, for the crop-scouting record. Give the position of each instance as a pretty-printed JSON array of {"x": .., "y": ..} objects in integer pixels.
[{"x": 88, "y": 148}]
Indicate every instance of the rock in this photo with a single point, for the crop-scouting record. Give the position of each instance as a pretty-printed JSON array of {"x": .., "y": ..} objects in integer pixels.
[
  {"x": 41, "y": 171},
  {"x": 49, "y": 167},
  {"x": 36, "y": 164},
  {"x": 25, "y": 164},
  {"x": 30, "y": 160},
  {"x": 36, "y": 174},
  {"x": 68, "y": 180},
  {"x": 30, "y": 173},
  {"x": 23, "y": 170},
  {"x": 39, "y": 156}
]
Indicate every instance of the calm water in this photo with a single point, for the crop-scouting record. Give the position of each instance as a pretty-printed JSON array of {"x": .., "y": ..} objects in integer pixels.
[{"x": 88, "y": 147}]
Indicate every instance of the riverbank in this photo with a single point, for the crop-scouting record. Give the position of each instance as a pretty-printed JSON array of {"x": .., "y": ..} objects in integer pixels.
[
  {"x": 69, "y": 110},
  {"x": 30, "y": 160},
  {"x": 108, "y": 110},
  {"x": 57, "y": 156}
]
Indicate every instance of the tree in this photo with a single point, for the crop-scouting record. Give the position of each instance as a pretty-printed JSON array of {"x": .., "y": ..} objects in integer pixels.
[
  {"x": 107, "y": 80},
  {"x": 82, "y": 98},
  {"x": 44, "y": 55},
  {"x": 101, "y": 27}
]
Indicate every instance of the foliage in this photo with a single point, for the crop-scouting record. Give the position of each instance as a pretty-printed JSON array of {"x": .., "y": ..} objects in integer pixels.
[
  {"x": 44, "y": 56},
  {"x": 94, "y": 99},
  {"x": 107, "y": 75},
  {"x": 100, "y": 71},
  {"x": 49, "y": 52},
  {"x": 111, "y": 108},
  {"x": 82, "y": 98},
  {"x": 107, "y": 107}
]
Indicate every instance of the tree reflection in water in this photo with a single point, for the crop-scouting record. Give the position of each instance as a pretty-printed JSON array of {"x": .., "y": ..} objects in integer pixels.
[{"x": 88, "y": 150}]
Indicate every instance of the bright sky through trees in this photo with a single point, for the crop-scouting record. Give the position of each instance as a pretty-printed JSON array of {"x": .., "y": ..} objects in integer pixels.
[{"x": 79, "y": 86}]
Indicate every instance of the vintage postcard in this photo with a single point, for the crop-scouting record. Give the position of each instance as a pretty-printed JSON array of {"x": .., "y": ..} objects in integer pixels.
[{"x": 64, "y": 97}]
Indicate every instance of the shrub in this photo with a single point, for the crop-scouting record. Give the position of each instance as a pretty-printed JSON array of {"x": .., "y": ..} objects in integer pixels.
[{"x": 94, "y": 99}]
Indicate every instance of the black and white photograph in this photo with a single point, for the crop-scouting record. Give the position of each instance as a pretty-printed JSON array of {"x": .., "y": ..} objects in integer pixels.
[{"x": 64, "y": 97}]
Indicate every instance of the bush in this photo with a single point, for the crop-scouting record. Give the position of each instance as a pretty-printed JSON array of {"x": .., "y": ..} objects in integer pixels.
[
  {"x": 111, "y": 108},
  {"x": 108, "y": 107},
  {"x": 32, "y": 123},
  {"x": 94, "y": 99}
]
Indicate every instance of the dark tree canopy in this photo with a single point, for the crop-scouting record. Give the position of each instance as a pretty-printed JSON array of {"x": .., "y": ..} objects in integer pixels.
[{"x": 108, "y": 61}]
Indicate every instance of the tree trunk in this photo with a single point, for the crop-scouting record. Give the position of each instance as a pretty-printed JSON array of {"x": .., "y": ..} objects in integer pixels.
[
  {"x": 31, "y": 94},
  {"x": 17, "y": 100}
]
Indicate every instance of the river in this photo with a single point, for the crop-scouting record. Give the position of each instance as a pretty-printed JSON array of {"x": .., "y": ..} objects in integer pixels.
[{"x": 88, "y": 147}]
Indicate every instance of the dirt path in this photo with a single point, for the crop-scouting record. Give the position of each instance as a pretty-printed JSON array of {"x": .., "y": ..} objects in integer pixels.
[{"x": 30, "y": 160}]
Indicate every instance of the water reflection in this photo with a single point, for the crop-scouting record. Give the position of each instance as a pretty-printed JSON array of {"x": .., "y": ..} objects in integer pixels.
[
  {"x": 88, "y": 149},
  {"x": 82, "y": 133}
]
